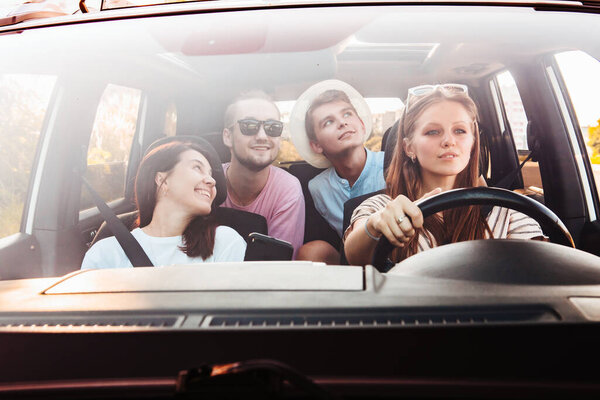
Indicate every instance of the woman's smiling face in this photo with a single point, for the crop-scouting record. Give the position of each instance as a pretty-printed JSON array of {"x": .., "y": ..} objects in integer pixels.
[
  {"x": 442, "y": 139},
  {"x": 190, "y": 184}
]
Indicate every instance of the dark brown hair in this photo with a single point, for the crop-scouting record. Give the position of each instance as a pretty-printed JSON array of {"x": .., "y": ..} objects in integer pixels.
[
  {"x": 328, "y": 96},
  {"x": 404, "y": 177},
  {"x": 199, "y": 235}
]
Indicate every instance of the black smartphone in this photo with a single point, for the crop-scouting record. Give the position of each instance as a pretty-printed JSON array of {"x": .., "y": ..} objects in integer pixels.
[{"x": 266, "y": 248}]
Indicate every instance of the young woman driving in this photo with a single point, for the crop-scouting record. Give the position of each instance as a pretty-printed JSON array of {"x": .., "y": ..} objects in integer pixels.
[
  {"x": 176, "y": 187},
  {"x": 437, "y": 150}
]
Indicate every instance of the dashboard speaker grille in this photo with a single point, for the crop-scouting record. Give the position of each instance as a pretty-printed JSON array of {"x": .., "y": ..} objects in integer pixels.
[
  {"x": 89, "y": 322},
  {"x": 380, "y": 319}
]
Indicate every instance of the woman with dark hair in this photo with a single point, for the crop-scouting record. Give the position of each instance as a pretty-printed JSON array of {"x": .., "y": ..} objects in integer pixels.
[
  {"x": 175, "y": 191},
  {"x": 437, "y": 150}
]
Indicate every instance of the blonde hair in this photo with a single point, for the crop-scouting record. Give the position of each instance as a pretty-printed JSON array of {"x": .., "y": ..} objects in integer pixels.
[{"x": 232, "y": 108}]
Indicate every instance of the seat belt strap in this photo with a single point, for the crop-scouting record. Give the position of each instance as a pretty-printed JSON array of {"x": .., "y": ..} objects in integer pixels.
[
  {"x": 505, "y": 182},
  {"x": 132, "y": 248}
]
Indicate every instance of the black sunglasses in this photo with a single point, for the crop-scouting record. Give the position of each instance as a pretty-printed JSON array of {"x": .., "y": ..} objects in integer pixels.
[{"x": 250, "y": 127}]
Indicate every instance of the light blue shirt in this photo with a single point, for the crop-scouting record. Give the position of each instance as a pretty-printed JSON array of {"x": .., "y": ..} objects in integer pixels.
[{"x": 329, "y": 191}]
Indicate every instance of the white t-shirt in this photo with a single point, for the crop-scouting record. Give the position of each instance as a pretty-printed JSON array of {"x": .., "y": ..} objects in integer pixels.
[{"x": 108, "y": 253}]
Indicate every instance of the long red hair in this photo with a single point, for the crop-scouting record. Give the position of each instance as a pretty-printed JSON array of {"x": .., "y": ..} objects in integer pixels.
[{"x": 404, "y": 178}]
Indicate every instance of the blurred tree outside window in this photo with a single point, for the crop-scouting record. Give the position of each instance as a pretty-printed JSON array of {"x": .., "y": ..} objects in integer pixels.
[
  {"x": 110, "y": 143},
  {"x": 24, "y": 102},
  {"x": 581, "y": 74}
]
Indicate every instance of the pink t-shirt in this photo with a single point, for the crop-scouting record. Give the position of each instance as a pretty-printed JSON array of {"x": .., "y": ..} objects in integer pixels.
[{"x": 281, "y": 203}]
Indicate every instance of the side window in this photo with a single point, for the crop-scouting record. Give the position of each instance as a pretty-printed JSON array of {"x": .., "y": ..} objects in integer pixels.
[
  {"x": 384, "y": 110},
  {"x": 581, "y": 74},
  {"x": 171, "y": 120},
  {"x": 110, "y": 143},
  {"x": 517, "y": 120},
  {"x": 24, "y": 103}
]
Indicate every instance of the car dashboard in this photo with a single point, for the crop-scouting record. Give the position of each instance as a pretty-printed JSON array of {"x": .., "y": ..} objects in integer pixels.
[{"x": 426, "y": 327}]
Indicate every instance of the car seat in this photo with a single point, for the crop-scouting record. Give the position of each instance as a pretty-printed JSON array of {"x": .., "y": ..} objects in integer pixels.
[
  {"x": 315, "y": 227},
  {"x": 216, "y": 140}
]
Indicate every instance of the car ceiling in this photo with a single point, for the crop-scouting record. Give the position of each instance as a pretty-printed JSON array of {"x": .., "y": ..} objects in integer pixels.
[{"x": 380, "y": 50}]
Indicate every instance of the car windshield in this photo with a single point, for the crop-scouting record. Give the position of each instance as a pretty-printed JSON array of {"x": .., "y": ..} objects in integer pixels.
[
  {"x": 85, "y": 99},
  {"x": 373, "y": 193}
]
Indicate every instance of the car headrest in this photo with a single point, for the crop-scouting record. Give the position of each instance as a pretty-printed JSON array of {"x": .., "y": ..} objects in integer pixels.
[
  {"x": 216, "y": 140},
  {"x": 388, "y": 144}
]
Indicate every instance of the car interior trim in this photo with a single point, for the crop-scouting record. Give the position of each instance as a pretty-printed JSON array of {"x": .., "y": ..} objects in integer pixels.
[
  {"x": 37, "y": 179},
  {"x": 304, "y": 276},
  {"x": 142, "y": 119},
  {"x": 585, "y": 182},
  {"x": 186, "y": 7},
  {"x": 496, "y": 99},
  {"x": 588, "y": 306}
]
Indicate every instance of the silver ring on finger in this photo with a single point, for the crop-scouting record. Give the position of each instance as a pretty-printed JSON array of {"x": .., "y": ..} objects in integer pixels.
[{"x": 400, "y": 219}]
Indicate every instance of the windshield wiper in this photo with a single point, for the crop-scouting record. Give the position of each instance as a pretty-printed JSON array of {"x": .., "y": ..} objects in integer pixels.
[{"x": 248, "y": 379}]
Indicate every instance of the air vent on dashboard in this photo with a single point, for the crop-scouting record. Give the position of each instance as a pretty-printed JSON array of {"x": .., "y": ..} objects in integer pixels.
[
  {"x": 380, "y": 319},
  {"x": 111, "y": 323}
]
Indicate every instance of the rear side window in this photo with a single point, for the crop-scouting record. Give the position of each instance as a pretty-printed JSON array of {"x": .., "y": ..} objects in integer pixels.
[
  {"x": 517, "y": 120},
  {"x": 24, "y": 102},
  {"x": 514, "y": 109},
  {"x": 581, "y": 74},
  {"x": 110, "y": 143}
]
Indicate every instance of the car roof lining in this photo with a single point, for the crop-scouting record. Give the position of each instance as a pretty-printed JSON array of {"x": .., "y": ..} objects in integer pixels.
[{"x": 457, "y": 57}]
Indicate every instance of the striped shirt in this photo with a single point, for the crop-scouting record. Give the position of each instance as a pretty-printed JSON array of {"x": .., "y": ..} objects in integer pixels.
[{"x": 503, "y": 222}]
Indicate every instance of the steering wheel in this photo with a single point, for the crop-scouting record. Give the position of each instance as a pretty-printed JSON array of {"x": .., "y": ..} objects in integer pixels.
[{"x": 549, "y": 222}]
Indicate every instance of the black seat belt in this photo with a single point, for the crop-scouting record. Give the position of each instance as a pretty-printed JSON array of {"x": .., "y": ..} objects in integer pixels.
[
  {"x": 132, "y": 248},
  {"x": 505, "y": 182},
  {"x": 534, "y": 145},
  {"x": 509, "y": 178}
]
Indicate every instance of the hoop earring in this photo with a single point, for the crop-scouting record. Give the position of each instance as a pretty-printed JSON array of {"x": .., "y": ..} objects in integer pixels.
[{"x": 413, "y": 158}]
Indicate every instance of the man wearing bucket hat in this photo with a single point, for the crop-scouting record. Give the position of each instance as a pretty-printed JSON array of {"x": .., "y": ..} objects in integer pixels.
[
  {"x": 329, "y": 124},
  {"x": 252, "y": 132}
]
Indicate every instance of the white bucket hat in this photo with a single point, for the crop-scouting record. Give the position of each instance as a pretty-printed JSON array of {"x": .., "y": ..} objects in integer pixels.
[{"x": 298, "y": 115}]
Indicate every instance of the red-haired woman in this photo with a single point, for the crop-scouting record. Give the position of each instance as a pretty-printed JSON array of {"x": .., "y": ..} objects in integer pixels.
[
  {"x": 437, "y": 150},
  {"x": 175, "y": 190}
]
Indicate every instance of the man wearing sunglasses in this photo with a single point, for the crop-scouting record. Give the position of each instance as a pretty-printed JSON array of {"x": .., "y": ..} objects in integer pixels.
[{"x": 253, "y": 132}]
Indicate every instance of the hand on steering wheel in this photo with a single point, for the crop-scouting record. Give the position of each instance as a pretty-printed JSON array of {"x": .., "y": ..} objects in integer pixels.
[
  {"x": 549, "y": 222},
  {"x": 399, "y": 219}
]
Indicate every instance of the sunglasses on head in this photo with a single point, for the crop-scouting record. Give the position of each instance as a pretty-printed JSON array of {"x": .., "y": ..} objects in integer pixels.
[
  {"x": 422, "y": 90},
  {"x": 250, "y": 127}
]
